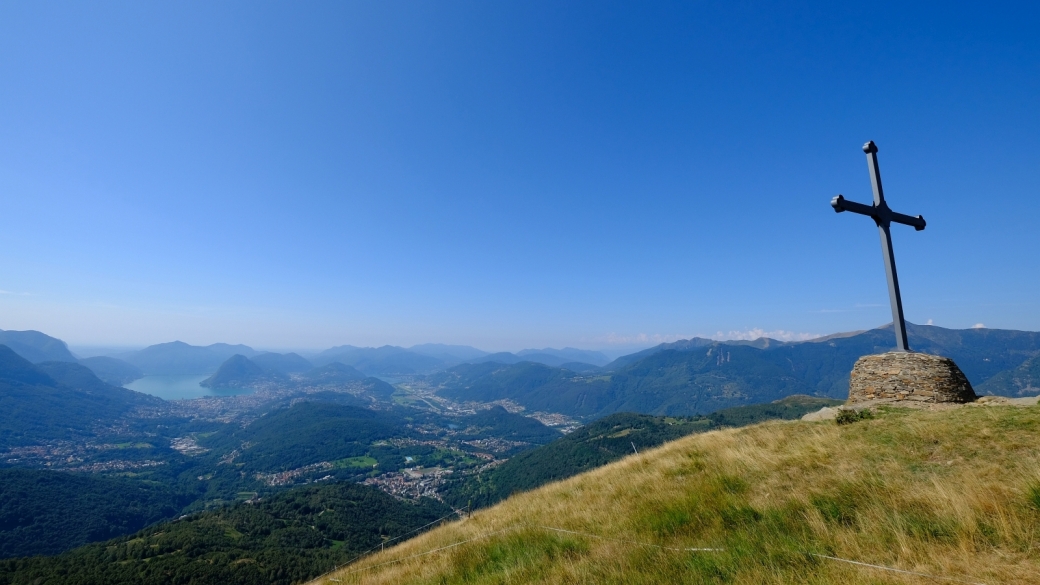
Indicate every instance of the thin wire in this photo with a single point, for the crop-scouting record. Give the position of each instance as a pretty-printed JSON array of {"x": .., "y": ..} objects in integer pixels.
[
  {"x": 882, "y": 567},
  {"x": 383, "y": 544},
  {"x": 647, "y": 544},
  {"x": 895, "y": 570},
  {"x": 632, "y": 541},
  {"x": 430, "y": 552}
]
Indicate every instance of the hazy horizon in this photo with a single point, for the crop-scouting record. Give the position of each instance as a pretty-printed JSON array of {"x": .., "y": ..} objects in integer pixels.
[
  {"x": 611, "y": 351},
  {"x": 510, "y": 175}
]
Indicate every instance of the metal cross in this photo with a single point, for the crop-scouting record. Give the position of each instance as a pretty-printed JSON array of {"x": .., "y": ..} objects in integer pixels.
[{"x": 883, "y": 216}]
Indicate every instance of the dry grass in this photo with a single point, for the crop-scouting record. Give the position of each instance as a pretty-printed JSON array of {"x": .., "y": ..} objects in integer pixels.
[{"x": 954, "y": 494}]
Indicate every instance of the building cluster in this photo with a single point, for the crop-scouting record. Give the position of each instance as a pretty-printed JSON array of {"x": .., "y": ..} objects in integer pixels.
[
  {"x": 494, "y": 445},
  {"x": 187, "y": 446},
  {"x": 290, "y": 477},
  {"x": 411, "y": 483},
  {"x": 118, "y": 465},
  {"x": 560, "y": 422},
  {"x": 69, "y": 456}
]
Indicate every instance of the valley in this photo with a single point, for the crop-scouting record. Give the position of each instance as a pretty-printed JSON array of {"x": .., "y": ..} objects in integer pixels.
[{"x": 460, "y": 436}]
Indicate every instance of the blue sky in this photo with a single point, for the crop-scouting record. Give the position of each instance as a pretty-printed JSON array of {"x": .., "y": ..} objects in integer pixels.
[{"x": 510, "y": 174}]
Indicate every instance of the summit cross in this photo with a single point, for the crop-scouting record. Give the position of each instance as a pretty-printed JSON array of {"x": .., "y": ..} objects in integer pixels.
[{"x": 883, "y": 216}]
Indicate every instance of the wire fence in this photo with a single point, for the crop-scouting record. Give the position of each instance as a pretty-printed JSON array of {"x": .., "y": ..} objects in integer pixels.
[{"x": 460, "y": 512}]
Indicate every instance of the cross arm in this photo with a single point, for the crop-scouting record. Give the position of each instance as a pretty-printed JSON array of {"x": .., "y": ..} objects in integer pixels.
[
  {"x": 917, "y": 222},
  {"x": 880, "y": 213},
  {"x": 840, "y": 204}
]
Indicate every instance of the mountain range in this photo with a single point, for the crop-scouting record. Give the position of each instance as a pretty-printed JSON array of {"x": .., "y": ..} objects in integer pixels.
[
  {"x": 699, "y": 376},
  {"x": 180, "y": 358},
  {"x": 684, "y": 377}
]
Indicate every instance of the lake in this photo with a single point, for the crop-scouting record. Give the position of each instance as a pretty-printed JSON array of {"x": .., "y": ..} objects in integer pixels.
[{"x": 180, "y": 387}]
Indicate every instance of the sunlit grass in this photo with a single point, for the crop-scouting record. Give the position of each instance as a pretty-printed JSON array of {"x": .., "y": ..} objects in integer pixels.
[{"x": 954, "y": 493}]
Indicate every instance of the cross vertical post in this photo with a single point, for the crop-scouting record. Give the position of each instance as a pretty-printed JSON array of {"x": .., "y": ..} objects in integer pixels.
[
  {"x": 898, "y": 322},
  {"x": 883, "y": 216}
]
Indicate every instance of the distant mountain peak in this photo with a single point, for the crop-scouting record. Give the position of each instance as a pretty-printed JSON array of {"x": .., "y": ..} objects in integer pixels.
[{"x": 237, "y": 371}]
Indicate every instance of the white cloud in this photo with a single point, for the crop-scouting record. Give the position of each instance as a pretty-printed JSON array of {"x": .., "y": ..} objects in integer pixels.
[
  {"x": 978, "y": 326},
  {"x": 637, "y": 339},
  {"x": 755, "y": 333},
  {"x": 656, "y": 338},
  {"x": 929, "y": 322}
]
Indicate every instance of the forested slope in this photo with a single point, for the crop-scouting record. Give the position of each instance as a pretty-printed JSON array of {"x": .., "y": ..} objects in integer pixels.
[{"x": 291, "y": 537}]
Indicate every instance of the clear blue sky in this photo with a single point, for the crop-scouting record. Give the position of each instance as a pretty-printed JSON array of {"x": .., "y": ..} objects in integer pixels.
[{"x": 510, "y": 174}]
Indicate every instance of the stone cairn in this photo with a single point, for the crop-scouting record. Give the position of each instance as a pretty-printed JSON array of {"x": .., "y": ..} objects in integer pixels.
[{"x": 913, "y": 379}]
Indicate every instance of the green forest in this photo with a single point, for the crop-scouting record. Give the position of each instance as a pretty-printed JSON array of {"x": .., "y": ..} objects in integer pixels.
[
  {"x": 288, "y": 538},
  {"x": 47, "y": 512}
]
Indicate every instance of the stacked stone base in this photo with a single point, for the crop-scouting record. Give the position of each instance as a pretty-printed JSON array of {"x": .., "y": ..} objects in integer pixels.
[{"x": 908, "y": 378}]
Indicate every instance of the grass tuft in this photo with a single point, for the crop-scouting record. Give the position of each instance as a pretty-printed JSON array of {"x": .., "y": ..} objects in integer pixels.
[
  {"x": 849, "y": 416},
  {"x": 1034, "y": 495}
]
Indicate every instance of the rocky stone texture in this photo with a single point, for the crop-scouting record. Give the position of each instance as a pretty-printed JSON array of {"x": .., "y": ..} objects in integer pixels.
[{"x": 908, "y": 377}]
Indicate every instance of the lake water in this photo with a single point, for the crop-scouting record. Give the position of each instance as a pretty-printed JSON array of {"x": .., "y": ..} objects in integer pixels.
[{"x": 180, "y": 387}]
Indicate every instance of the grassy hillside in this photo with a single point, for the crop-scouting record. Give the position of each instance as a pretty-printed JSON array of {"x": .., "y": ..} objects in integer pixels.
[{"x": 954, "y": 494}]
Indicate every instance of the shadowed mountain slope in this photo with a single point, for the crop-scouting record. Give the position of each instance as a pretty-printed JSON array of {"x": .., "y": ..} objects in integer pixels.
[
  {"x": 1021, "y": 381},
  {"x": 307, "y": 433},
  {"x": 56, "y": 400},
  {"x": 498, "y": 422},
  {"x": 377, "y": 361},
  {"x": 48, "y": 512},
  {"x": 333, "y": 373},
  {"x": 533, "y": 356},
  {"x": 36, "y": 347},
  {"x": 567, "y": 354},
  {"x": 112, "y": 370},
  {"x": 285, "y": 363},
  {"x": 177, "y": 357},
  {"x": 448, "y": 353}
]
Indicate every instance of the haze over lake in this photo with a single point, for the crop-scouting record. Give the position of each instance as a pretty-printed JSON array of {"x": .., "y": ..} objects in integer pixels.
[{"x": 180, "y": 387}]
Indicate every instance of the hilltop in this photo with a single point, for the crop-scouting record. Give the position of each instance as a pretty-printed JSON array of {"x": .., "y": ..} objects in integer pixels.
[
  {"x": 238, "y": 370},
  {"x": 953, "y": 494}
]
